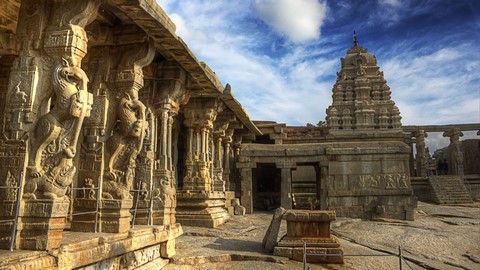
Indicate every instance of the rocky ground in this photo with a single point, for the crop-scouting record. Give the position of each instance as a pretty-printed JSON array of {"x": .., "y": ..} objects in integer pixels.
[{"x": 441, "y": 237}]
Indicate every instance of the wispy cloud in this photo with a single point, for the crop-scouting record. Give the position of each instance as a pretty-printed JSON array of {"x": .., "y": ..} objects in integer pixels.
[
  {"x": 299, "y": 20},
  {"x": 431, "y": 67}
]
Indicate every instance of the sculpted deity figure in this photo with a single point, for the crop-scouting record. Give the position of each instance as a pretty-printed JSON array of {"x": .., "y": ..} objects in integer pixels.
[
  {"x": 360, "y": 70},
  {"x": 124, "y": 146},
  {"x": 52, "y": 149}
]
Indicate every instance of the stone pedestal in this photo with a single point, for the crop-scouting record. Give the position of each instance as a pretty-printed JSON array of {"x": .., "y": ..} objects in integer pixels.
[
  {"x": 84, "y": 222},
  {"x": 115, "y": 215},
  {"x": 201, "y": 209},
  {"x": 312, "y": 227},
  {"x": 42, "y": 224}
]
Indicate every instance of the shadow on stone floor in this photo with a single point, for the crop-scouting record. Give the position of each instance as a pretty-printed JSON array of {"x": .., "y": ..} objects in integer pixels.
[{"x": 237, "y": 245}]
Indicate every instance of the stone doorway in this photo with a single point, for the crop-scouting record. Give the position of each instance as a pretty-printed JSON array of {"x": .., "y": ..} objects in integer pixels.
[
  {"x": 306, "y": 187},
  {"x": 266, "y": 186}
]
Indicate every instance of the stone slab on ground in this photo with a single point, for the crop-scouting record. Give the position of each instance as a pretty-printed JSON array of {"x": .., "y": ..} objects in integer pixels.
[{"x": 271, "y": 236}]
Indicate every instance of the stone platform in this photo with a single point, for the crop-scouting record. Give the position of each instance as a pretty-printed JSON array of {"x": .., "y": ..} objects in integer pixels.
[
  {"x": 313, "y": 228},
  {"x": 144, "y": 247},
  {"x": 202, "y": 209}
]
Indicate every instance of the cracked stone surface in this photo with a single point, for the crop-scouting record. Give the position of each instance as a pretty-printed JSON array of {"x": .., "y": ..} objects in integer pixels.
[{"x": 441, "y": 237}]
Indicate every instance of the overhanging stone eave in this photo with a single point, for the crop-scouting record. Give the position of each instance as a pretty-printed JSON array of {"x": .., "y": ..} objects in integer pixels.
[
  {"x": 240, "y": 113},
  {"x": 149, "y": 16}
]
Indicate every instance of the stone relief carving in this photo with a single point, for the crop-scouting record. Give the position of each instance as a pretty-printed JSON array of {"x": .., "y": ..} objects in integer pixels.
[
  {"x": 124, "y": 146},
  {"x": 12, "y": 184},
  {"x": 386, "y": 181},
  {"x": 50, "y": 167},
  {"x": 88, "y": 189}
]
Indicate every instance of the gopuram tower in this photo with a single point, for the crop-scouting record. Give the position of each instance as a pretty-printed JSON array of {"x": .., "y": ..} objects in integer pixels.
[{"x": 362, "y": 103}]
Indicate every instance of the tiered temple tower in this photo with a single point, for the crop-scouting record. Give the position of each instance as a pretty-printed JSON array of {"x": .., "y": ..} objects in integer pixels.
[{"x": 361, "y": 97}]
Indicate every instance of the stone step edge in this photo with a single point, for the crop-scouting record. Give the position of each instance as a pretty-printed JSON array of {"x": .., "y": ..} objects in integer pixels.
[{"x": 224, "y": 258}]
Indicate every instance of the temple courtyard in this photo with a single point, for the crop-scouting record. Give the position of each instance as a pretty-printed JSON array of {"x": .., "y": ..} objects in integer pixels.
[{"x": 441, "y": 237}]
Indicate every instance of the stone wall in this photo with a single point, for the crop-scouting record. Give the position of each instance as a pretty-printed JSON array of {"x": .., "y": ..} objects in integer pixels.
[{"x": 356, "y": 179}]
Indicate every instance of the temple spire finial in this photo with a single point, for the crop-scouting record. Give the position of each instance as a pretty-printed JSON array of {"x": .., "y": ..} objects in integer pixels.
[{"x": 355, "y": 40}]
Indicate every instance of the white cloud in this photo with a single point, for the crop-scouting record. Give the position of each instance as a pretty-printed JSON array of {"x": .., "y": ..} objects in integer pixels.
[
  {"x": 299, "y": 20},
  {"x": 394, "y": 3},
  {"x": 435, "y": 88},
  {"x": 429, "y": 87}
]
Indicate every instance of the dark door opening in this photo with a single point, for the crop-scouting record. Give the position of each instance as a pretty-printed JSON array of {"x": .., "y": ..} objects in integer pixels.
[{"x": 266, "y": 186}]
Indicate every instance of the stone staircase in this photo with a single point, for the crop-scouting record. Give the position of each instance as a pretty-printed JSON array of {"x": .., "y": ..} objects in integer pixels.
[{"x": 449, "y": 189}]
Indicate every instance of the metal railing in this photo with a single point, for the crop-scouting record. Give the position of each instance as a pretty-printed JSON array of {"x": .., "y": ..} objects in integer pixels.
[
  {"x": 97, "y": 205},
  {"x": 401, "y": 259},
  {"x": 134, "y": 211}
]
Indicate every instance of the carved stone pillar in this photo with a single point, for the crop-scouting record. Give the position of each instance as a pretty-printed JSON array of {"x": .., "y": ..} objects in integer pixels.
[
  {"x": 421, "y": 156},
  {"x": 91, "y": 163},
  {"x": 198, "y": 205},
  {"x": 170, "y": 93},
  {"x": 456, "y": 155},
  {"x": 48, "y": 101},
  {"x": 227, "y": 145},
  {"x": 128, "y": 129},
  {"x": 220, "y": 128}
]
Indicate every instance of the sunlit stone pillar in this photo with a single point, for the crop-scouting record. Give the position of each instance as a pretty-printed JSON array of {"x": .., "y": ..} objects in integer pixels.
[
  {"x": 421, "y": 156},
  {"x": 170, "y": 93},
  {"x": 128, "y": 131},
  {"x": 46, "y": 105},
  {"x": 198, "y": 204}
]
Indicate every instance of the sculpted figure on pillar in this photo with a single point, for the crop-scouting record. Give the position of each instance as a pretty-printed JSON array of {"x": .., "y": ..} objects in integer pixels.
[
  {"x": 130, "y": 124},
  {"x": 456, "y": 155},
  {"x": 124, "y": 146},
  {"x": 56, "y": 133}
]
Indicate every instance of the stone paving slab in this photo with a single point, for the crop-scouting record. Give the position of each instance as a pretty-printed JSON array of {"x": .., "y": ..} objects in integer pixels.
[{"x": 427, "y": 241}]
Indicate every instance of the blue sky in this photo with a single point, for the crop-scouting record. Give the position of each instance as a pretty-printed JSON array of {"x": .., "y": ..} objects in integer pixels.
[{"x": 281, "y": 56}]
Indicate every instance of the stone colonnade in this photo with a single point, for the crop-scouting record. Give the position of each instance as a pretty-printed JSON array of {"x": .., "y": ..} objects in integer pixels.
[
  {"x": 417, "y": 135},
  {"x": 95, "y": 134}
]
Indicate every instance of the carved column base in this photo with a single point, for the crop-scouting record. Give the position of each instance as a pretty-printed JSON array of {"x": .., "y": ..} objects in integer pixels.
[
  {"x": 84, "y": 222},
  {"x": 201, "y": 209},
  {"x": 143, "y": 211},
  {"x": 115, "y": 215},
  {"x": 7, "y": 212},
  {"x": 164, "y": 210},
  {"x": 312, "y": 227},
  {"x": 42, "y": 224}
]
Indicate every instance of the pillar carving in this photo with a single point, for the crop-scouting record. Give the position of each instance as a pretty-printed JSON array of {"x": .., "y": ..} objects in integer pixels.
[
  {"x": 48, "y": 101},
  {"x": 228, "y": 160},
  {"x": 199, "y": 117},
  {"x": 169, "y": 95},
  {"x": 421, "y": 157},
  {"x": 219, "y": 136},
  {"x": 456, "y": 155},
  {"x": 198, "y": 203},
  {"x": 127, "y": 124}
]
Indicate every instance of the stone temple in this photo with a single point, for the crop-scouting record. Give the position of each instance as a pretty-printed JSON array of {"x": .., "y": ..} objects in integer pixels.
[{"x": 114, "y": 135}]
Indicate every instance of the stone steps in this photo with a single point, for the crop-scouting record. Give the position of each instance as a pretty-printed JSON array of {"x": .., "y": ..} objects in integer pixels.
[{"x": 449, "y": 189}]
